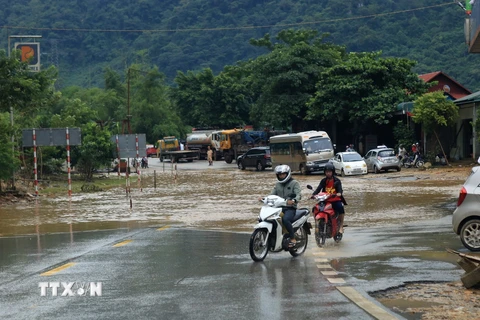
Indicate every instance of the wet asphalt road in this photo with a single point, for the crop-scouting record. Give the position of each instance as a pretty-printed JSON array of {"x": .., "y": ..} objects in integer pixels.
[
  {"x": 399, "y": 227},
  {"x": 164, "y": 273}
]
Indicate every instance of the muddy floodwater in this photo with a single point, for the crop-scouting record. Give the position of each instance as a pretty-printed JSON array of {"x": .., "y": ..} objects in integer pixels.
[{"x": 226, "y": 199}]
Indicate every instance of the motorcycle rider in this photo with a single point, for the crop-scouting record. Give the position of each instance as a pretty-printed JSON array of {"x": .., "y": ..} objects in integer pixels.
[
  {"x": 284, "y": 188},
  {"x": 331, "y": 184}
]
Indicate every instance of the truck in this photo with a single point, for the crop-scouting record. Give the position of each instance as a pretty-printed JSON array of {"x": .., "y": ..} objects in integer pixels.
[
  {"x": 169, "y": 148},
  {"x": 199, "y": 142},
  {"x": 235, "y": 142},
  {"x": 200, "y": 139}
]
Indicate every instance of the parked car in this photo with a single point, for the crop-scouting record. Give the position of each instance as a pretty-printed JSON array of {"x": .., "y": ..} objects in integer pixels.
[
  {"x": 382, "y": 159},
  {"x": 466, "y": 217},
  {"x": 349, "y": 163},
  {"x": 258, "y": 157}
]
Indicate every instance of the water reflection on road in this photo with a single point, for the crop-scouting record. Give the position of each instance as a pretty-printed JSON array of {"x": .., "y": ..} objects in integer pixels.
[{"x": 225, "y": 199}]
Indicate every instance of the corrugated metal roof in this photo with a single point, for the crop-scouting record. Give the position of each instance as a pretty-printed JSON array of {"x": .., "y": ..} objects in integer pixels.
[{"x": 474, "y": 97}]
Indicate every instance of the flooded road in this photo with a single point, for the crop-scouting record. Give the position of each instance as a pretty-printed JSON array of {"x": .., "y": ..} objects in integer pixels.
[
  {"x": 225, "y": 198},
  {"x": 398, "y": 223}
]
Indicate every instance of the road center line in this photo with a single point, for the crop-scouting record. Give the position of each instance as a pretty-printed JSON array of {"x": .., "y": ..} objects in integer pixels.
[
  {"x": 163, "y": 228},
  {"x": 367, "y": 305},
  {"x": 58, "y": 269},
  {"x": 324, "y": 266},
  {"x": 122, "y": 243}
]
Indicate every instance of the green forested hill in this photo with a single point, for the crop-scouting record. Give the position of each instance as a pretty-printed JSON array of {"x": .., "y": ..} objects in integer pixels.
[{"x": 82, "y": 37}]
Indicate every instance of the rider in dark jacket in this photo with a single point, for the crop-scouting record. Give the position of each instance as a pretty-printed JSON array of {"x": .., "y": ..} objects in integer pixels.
[{"x": 331, "y": 184}]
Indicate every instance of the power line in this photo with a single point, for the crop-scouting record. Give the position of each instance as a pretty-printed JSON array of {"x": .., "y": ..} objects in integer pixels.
[{"x": 231, "y": 28}]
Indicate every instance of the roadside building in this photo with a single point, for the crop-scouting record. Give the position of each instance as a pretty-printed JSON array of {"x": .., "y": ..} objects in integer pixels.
[
  {"x": 452, "y": 139},
  {"x": 467, "y": 135}
]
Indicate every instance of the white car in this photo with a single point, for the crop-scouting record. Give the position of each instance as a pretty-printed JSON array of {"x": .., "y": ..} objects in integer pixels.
[{"x": 349, "y": 163}]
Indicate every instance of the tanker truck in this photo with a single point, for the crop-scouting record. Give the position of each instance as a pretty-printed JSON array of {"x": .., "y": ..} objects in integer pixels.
[{"x": 199, "y": 142}]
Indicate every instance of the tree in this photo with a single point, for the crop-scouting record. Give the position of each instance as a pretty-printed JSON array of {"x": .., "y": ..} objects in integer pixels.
[
  {"x": 363, "y": 88},
  {"x": 96, "y": 150},
  {"x": 432, "y": 110},
  {"x": 22, "y": 89},
  {"x": 285, "y": 78},
  {"x": 207, "y": 100},
  {"x": 152, "y": 111},
  {"x": 8, "y": 160}
]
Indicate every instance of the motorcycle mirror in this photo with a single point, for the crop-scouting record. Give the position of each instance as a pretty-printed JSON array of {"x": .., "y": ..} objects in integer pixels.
[{"x": 309, "y": 187}]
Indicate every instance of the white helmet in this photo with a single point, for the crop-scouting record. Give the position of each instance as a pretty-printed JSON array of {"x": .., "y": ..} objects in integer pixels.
[{"x": 283, "y": 168}]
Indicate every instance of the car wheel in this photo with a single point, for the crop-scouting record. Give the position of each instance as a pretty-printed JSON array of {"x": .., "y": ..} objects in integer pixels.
[
  {"x": 375, "y": 169},
  {"x": 260, "y": 166},
  {"x": 240, "y": 165},
  {"x": 399, "y": 168},
  {"x": 470, "y": 235},
  {"x": 343, "y": 173},
  {"x": 303, "y": 170}
]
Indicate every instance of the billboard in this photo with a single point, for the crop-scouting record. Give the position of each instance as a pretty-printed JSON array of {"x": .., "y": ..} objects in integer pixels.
[
  {"x": 30, "y": 52},
  {"x": 51, "y": 137},
  {"x": 127, "y": 145}
]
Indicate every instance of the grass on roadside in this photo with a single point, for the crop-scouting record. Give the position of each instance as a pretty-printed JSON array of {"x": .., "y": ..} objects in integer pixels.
[{"x": 58, "y": 184}]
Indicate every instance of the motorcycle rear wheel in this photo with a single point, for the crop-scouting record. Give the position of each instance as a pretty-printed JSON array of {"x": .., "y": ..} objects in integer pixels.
[
  {"x": 302, "y": 240},
  {"x": 258, "y": 244}
]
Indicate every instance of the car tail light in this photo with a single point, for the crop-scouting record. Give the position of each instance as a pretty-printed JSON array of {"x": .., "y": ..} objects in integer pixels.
[
  {"x": 461, "y": 197},
  {"x": 267, "y": 156},
  {"x": 380, "y": 159}
]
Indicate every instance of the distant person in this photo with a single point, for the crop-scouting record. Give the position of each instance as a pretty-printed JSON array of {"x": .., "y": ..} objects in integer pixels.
[
  {"x": 210, "y": 156},
  {"x": 182, "y": 146},
  {"x": 414, "y": 148},
  {"x": 402, "y": 152},
  {"x": 350, "y": 148}
]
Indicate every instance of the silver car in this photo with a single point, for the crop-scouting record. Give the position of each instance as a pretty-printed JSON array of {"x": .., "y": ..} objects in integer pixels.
[
  {"x": 466, "y": 218},
  {"x": 382, "y": 159}
]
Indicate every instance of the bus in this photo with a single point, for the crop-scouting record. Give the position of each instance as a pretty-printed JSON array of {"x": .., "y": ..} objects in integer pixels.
[{"x": 305, "y": 152}]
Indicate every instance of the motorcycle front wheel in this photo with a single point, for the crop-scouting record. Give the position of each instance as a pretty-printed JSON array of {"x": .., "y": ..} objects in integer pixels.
[
  {"x": 258, "y": 244},
  {"x": 321, "y": 233},
  {"x": 302, "y": 240}
]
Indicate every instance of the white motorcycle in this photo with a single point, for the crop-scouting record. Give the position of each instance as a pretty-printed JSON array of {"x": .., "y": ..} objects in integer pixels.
[{"x": 268, "y": 234}]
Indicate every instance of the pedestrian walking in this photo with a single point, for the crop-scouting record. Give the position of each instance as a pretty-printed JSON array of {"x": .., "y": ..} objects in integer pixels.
[{"x": 210, "y": 156}]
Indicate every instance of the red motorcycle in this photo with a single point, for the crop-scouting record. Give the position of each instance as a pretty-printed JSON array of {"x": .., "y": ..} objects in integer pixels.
[{"x": 326, "y": 220}]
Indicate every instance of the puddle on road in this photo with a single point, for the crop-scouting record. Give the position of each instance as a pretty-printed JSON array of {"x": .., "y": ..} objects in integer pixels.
[
  {"x": 405, "y": 306},
  {"x": 224, "y": 199}
]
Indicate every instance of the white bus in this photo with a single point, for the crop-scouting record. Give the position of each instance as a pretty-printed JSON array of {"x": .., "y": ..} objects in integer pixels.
[{"x": 306, "y": 152}]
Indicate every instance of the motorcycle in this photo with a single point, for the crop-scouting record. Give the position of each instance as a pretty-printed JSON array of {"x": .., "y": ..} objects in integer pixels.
[
  {"x": 326, "y": 220},
  {"x": 410, "y": 161},
  {"x": 268, "y": 234}
]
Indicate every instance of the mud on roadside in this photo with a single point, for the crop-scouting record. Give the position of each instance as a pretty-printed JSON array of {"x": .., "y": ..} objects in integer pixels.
[{"x": 432, "y": 301}]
